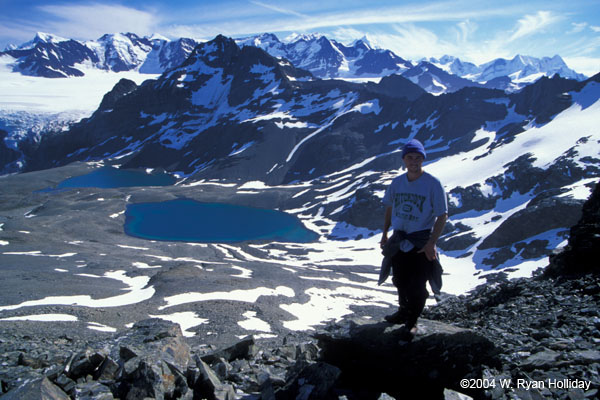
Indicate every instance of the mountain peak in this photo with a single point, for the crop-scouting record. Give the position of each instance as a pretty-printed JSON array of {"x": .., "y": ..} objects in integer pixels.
[
  {"x": 221, "y": 47},
  {"x": 48, "y": 37},
  {"x": 296, "y": 37},
  {"x": 159, "y": 37},
  {"x": 366, "y": 40},
  {"x": 119, "y": 37},
  {"x": 41, "y": 37}
]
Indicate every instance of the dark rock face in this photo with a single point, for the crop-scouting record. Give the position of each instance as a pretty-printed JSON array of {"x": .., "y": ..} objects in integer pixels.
[
  {"x": 121, "y": 89},
  {"x": 536, "y": 218},
  {"x": 374, "y": 357},
  {"x": 545, "y": 94},
  {"x": 7, "y": 155},
  {"x": 365, "y": 210},
  {"x": 457, "y": 242},
  {"x": 583, "y": 250},
  {"x": 397, "y": 86}
]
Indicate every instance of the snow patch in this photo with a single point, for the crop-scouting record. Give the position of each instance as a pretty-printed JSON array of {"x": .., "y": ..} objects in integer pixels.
[
  {"x": 185, "y": 319},
  {"x": 137, "y": 292},
  {"x": 252, "y": 323},
  {"x": 249, "y": 296},
  {"x": 43, "y": 318}
]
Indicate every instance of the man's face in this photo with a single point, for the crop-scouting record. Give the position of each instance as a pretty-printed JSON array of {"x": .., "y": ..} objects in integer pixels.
[{"x": 413, "y": 162}]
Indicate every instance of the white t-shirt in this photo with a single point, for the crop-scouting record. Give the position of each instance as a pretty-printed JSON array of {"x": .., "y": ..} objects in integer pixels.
[{"x": 415, "y": 205}]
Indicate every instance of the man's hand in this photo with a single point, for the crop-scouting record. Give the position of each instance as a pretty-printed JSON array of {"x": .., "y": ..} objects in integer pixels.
[
  {"x": 429, "y": 250},
  {"x": 386, "y": 226},
  {"x": 438, "y": 227},
  {"x": 384, "y": 240}
]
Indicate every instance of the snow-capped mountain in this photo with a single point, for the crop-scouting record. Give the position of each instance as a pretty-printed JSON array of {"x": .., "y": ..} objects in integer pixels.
[
  {"x": 53, "y": 57},
  {"x": 521, "y": 70},
  {"x": 326, "y": 58},
  {"x": 515, "y": 178},
  {"x": 435, "y": 80}
]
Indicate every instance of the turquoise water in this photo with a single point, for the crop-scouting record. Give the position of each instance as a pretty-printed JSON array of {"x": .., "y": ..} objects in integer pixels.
[
  {"x": 109, "y": 177},
  {"x": 192, "y": 221}
]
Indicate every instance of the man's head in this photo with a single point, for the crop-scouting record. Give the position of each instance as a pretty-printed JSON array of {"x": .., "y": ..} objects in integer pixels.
[
  {"x": 413, "y": 146},
  {"x": 413, "y": 155}
]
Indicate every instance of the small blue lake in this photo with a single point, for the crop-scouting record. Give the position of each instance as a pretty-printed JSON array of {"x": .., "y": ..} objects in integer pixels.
[
  {"x": 109, "y": 177},
  {"x": 188, "y": 220}
]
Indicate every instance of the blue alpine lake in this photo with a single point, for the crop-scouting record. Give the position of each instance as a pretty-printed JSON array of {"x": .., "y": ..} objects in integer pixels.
[
  {"x": 186, "y": 220},
  {"x": 109, "y": 177}
]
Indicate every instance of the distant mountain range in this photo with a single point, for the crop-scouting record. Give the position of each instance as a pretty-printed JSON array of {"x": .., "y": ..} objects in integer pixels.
[
  {"x": 54, "y": 57},
  {"x": 326, "y": 58}
]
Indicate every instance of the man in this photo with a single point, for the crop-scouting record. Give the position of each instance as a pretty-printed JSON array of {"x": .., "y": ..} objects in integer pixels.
[{"x": 417, "y": 209}]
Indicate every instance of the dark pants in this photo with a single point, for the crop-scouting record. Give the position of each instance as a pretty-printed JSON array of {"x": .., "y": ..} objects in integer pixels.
[{"x": 411, "y": 271}]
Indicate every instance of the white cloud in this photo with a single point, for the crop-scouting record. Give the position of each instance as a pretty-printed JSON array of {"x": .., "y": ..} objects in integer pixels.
[
  {"x": 595, "y": 28},
  {"x": 586, "y": 65},
  {"x": 92, "y": 20},
  {"x": 12, "y": 32},
  {"x": 412, "y": 42},
  {"x": 578, "y": 27},
  {"x": 278, "y": 9},
  {"x": 347, "y": 35},
  {"x": 465, "y": 30},
  {"x": 284, "y": 19},
  {"x": 531, "y": 24}
]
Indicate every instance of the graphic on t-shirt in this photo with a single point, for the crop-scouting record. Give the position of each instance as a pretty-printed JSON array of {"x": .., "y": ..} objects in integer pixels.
[{"x": 408, "y": 206}]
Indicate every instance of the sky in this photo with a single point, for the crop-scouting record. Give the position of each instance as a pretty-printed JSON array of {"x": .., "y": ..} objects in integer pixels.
[{"x": 477, "y": 31}]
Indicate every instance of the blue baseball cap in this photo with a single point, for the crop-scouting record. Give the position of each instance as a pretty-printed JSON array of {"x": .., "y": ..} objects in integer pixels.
[{"x": 414, "y": 146}]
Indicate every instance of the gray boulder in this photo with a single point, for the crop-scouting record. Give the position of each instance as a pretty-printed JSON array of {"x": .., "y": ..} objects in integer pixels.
[
  {"x": 37, "y": 389},
  {"x": 207, "y": 385},
  {"x": 245, "y": 348}
]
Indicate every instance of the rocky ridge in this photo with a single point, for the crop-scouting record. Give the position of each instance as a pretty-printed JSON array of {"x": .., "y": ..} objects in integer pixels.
[
  {"x": 154, "y": 360},
  {"x": 547, "y": 328}
]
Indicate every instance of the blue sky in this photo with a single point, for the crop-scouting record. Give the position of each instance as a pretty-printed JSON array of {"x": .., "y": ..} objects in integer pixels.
[{"x": 473, "y": 30}]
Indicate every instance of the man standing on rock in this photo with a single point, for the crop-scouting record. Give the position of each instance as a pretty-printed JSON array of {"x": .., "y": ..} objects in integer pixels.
[{"x": 417, "y": 209}]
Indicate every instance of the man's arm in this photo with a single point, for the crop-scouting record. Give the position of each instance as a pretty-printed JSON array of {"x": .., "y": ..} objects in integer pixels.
[
  {"x": 386, "y": 225},
  {"x": 438, "y": 227}
]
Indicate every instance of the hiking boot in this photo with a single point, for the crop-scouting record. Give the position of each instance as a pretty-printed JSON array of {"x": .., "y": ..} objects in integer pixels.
[
  {"x": 406, "y": 335},
  {"x": 398, "y": 318}
]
